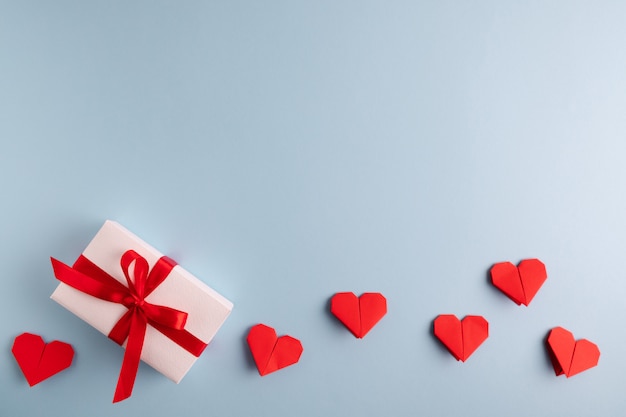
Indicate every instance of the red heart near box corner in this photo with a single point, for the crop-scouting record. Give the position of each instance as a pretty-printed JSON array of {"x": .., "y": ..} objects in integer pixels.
[
  {"x": 39, "y": 360},
  {"x": 271, "y": 352}
]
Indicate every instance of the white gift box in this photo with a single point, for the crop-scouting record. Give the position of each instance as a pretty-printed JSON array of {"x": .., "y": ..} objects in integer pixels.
[{"x": 207, "y": 310}]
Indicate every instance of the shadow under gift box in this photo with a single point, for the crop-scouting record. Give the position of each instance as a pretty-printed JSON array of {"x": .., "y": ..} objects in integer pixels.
[{"x": 207, "y": 310}]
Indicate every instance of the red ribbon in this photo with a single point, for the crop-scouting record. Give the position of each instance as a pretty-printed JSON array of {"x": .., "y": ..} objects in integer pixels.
[{"x": 87, "y": 277}]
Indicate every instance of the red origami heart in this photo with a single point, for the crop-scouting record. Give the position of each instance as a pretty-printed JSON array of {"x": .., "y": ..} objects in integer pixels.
[
  {"x": 570, "y": 356},
  {"x": 520, "y": 283},
  {"x": 461, "y": 338},
  {"x": 360, "y": 314},
  {"x": 270, "y": 352},
  {"x": 39, "y": 360}
]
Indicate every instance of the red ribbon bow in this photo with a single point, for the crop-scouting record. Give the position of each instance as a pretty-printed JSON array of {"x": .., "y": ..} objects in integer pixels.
[{"x": 87, "y": 277}]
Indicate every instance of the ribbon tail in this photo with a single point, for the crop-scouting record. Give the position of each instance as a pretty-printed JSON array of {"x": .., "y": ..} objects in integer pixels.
[{"x": 132, "y": 356}]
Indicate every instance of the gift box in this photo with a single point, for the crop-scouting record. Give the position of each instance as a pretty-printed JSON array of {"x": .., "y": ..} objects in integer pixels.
[{"x": 144, "y": 301}]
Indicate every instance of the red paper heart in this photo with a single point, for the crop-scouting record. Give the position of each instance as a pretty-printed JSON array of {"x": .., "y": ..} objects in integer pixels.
[
  {"x": 360, "y": 314},
  {"x": 270, "y": 352},
  {"x": 461, "y": 338},
  {"x": 570, "y": 356},
  {"x": 39, "y": 360},
  {"x": 520, "y": 283}
]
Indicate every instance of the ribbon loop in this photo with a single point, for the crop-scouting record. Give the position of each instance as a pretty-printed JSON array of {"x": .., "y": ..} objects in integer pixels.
[
  {"x": 140, "y": 272},
  {"x": 87, "y": 277}
]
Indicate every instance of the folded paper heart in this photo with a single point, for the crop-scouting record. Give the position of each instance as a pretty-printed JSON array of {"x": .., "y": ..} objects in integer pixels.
[
  {"x": 270, "y": 352},
  {"x": 461, "y": 338},
  {"x": 360, "y": 314},
  {"x": 520, "y": 283},
  {"x": 39, "y": 360},
  {"x": 570, "y": 357}
]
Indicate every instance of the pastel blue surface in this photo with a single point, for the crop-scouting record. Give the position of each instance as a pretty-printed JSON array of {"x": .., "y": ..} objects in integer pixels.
[{"x": 285, "y": 150}]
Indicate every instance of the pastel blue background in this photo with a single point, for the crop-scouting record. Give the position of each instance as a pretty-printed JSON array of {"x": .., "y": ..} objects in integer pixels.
[{"x": 286, "y": 150}]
